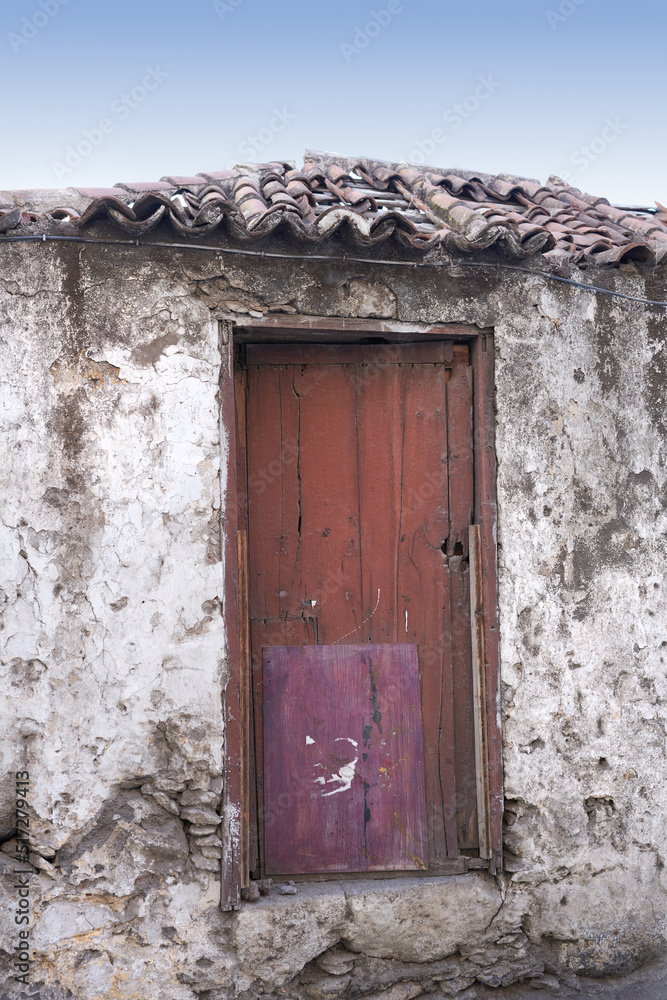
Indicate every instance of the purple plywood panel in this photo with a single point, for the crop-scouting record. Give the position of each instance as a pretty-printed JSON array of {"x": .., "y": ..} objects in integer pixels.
[{"x": 343, "y": 759}]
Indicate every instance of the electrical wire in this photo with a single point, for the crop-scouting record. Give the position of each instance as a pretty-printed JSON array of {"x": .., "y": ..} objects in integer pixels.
[{"x": 344, "y": 257}]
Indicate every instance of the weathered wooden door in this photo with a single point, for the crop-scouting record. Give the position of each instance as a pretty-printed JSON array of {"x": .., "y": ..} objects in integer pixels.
[{"x": 360, "y": 493}]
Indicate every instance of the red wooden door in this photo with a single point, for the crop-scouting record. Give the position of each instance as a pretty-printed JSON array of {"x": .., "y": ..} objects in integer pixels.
[{"x": 360, "y": 493}]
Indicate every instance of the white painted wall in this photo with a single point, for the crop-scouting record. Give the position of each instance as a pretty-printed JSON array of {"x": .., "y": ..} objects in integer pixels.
[{"x": 113, "y": 658}]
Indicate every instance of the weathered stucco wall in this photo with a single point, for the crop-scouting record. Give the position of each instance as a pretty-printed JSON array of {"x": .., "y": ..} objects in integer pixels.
[{"x": 113, "y": 658}]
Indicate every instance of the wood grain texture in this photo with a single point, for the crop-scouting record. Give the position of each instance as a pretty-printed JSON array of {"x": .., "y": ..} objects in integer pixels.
[
  {"x": 328, "y": 569},
  {"x": 437, "y": 352},
  {"x": 244, "y": 705},
  {"x": 486, "y": 517},
  {"x": 424, "y": 586},
  {"x": 343, "y": 759},
  {"x": 379, "y": 397},
  {"x": 249, "y": 778},
  {"x": 267, "y": 633},
  {"x": 479, "y": 691},
  {"x": 461, "y": 501},
  {"x": 447, "y": 866},
  {"x": 233, "y": 875},
  {"x": 334, "y": 327}
]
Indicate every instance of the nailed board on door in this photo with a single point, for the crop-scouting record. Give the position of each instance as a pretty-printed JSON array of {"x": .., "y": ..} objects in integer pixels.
[
  {"x": 360, "y": 493},
  {"x": 343, "y": 759}
]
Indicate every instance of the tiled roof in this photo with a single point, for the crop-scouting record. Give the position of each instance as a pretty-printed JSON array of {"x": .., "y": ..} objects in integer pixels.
[{"x": 371, "y": 201}]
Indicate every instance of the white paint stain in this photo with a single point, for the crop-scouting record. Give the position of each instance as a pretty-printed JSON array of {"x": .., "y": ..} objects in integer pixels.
[
  {"x": 345, "y": 773},
  {"x": 406, "y": 621},
  {"x": 345, "y": 776},
  {"x": 309, "y": 740},
  {"x": 363, "y": 622}
]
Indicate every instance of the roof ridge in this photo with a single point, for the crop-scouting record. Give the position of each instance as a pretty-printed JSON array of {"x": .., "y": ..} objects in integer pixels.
[{"x": 318, "y": 156}]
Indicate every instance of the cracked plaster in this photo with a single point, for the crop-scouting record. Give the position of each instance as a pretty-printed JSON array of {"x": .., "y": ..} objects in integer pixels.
[{"x": 112, "y": 637}]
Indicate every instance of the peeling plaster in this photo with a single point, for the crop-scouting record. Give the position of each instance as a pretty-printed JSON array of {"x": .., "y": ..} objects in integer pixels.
[{"x": 113, "y": 656}]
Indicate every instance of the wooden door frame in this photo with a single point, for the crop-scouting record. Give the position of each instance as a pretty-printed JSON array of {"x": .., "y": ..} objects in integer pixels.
[{"x": 484, "y": 601}]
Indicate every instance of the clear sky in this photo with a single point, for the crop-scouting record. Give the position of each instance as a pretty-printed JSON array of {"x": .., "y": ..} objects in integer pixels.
[{"x": 100, "y": 91}]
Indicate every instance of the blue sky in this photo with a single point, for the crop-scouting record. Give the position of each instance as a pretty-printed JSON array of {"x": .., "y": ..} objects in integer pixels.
[{"x": 99, "y": 92}]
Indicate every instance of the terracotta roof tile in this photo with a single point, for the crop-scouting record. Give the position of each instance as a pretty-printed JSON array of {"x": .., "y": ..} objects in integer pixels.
[
  {"x": 99, "y": 192},
  {"x": 420, "y": 207},
  {"x": 137, "y": 187},
  {"x": 178, "y": 182},
  {"x": 644, "y": 226}
]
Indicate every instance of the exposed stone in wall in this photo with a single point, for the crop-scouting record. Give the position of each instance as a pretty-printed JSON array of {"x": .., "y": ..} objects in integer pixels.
[{"x": 113, "y": 657}]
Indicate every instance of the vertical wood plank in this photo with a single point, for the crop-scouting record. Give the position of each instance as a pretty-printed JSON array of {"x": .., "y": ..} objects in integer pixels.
[
  {"x": 423, "y": 587},
  {"x": 249, "y": 780},
  {"x": 461, "y": 500},
  {"x": 263, "y": 499},
  {"x": 328, "y": 563},
  {"x": 379, "y": 399},
  {"x": 240, "y": 407},
  {"x": 479, "y": 691},
  {"x": 264, "y": 436},
  {"x": 486, "y": 517},
  {"x": 273, "y": 517},
  {"x": 244, "y": 705},
  {"x": 289, "y": 514},
  {"x": 232, "y": 853}
]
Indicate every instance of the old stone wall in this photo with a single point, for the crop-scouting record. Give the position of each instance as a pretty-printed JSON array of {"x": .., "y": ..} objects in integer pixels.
[{"x": 113, "y": 658}]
